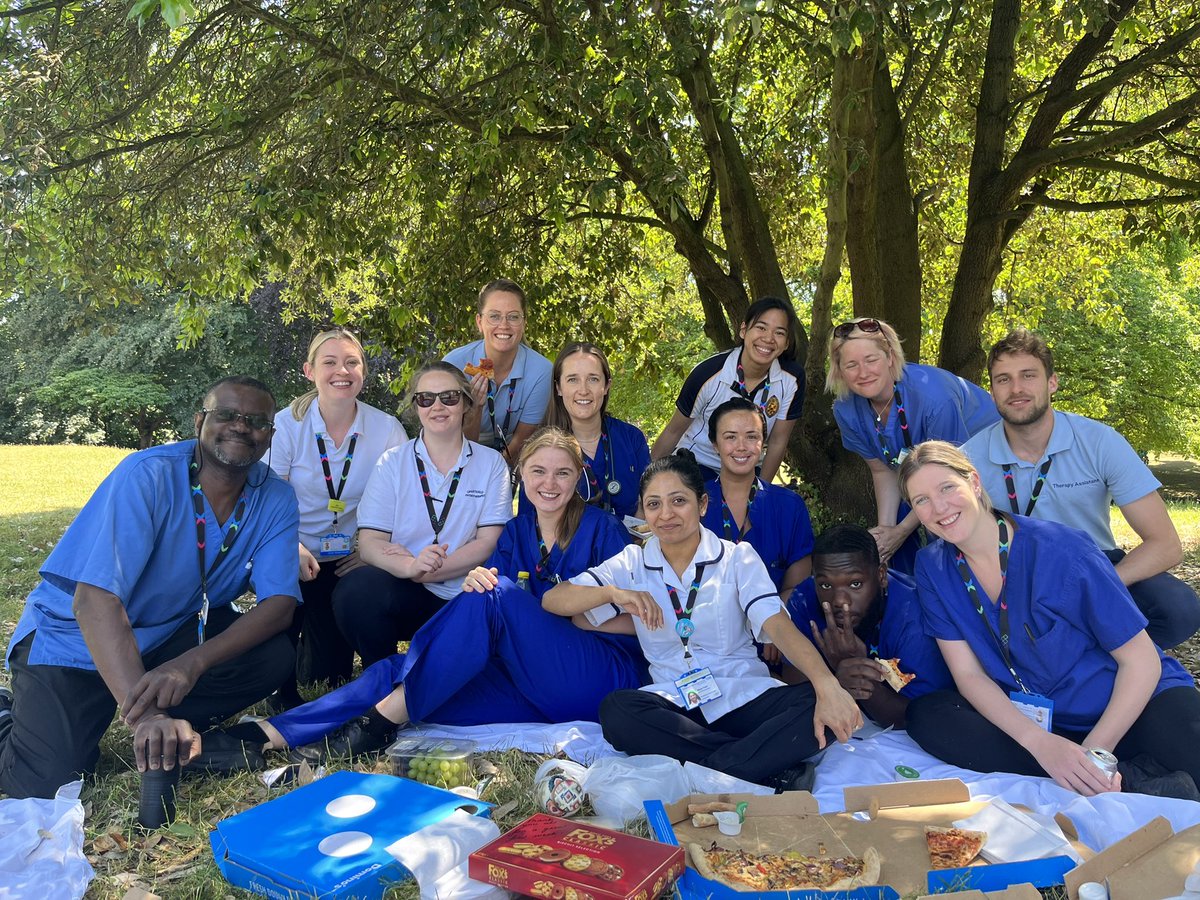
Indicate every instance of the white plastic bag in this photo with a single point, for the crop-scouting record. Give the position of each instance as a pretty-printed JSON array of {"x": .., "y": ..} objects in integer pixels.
[
  {"x": 437, "y": 857},
  {"x": 618, "y": 785},
  {"x": 41, "y": 843}
]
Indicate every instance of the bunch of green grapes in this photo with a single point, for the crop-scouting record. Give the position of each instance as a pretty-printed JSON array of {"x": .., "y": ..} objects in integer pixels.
[{"x": 440, "y": 771}]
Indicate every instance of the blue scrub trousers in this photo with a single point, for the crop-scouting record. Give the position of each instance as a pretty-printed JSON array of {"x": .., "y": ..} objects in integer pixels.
[
  {"x": 482, "y": 658},
  {"x": 1170, "y": 605}
]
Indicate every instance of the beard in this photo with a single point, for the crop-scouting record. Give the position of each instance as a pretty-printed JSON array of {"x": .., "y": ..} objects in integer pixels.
[
  {"x": 1027, "y": 416},
  {"x": 234, "y": 454}
]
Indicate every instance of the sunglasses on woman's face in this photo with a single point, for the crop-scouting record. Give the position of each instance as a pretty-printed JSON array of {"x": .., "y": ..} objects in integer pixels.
[
  {"x": 866, "y": 326},
  {"x": 425, "y": 399}
]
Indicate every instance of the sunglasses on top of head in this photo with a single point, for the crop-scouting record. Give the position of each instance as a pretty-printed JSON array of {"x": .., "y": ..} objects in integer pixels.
[
  {"x": 866, "y": 326},
  {"x": 425, "y": 399}
]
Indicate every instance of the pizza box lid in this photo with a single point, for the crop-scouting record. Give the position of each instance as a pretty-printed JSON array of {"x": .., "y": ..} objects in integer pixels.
[
  {"x": 1016, "y": 892},
  {"x": 1151, "y": 863}
]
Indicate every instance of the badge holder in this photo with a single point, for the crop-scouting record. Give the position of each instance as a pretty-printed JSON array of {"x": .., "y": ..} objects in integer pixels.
[
  {"x": 1037, "y": 709},
  {"x": 696, "y": 686},
  {"x": 336, "y": 544}
]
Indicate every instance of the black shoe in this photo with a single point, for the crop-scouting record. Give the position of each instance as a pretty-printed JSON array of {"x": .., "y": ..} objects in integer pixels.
[
  {"x": 354, "y": 738},
  {"x": 1144, "y": 775},
  {"x": 800, "y": 778},
  {"x": 281, "y": 701},
  {"x": 224, "y": 754}
]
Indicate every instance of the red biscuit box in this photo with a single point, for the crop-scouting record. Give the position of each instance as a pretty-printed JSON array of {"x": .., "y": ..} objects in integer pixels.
[{"x": 546, "y": 856}]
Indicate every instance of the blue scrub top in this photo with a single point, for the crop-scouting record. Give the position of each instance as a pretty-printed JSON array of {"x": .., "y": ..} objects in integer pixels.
[
  {"x": 780, "y": 528},
  {"x": 898, "y": 635},
  {"x": 599, "y": 537},
  {"x": 1068, "y": 611},
  {"x": 136, "y": 538},
  {"x": 938, "y": 406}
]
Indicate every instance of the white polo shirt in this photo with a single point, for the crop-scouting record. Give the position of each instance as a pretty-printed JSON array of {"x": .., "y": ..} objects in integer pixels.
[
  {"x": 736, "y": 597},
  {"x": 295, "y": 457},
  {"x": 394, "y": 503}
]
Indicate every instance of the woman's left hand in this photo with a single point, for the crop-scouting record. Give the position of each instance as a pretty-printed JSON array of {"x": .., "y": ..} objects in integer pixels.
[
  {"x": 889, "y": 538},
  {"x": 348, "y": 564},
  {"x": 835, "y": 710},
  {"x": 480, "y": 580},
  {"x": 1068, "y": 764}
]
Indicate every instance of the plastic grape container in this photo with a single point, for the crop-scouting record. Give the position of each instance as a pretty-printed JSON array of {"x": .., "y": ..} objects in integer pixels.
[{"x": 442, "y": 762}]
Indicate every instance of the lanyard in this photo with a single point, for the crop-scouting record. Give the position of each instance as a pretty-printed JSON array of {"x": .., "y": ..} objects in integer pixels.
[
  {"x": 437, "y": 523},
  {"x": 904, "y": 435},
  {"x": 974, "y": 593},
  {"x": 765, "y": 387},
  {"x": 598, "y": 493},
  {"x": 201, "y": 540},
  {"x": 683, "y": 615},
  {"x": 1011, "y": 485},
  {"x": 501, "y": 432},
  {"x": 732, "y": 532},
  {"x": 335, "y": 497},
  {"x": 542, "y": 569}
]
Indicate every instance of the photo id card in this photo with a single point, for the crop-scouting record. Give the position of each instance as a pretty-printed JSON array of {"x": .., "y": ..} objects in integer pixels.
[
  {"x": 697, "y": 687},
  {"x": 336, "y": 544},
  {"x": 1037, "y": 709}
]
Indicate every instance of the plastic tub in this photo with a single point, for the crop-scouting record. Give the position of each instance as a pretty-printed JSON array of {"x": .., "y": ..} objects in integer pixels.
[{"x": 444, "y": 762}]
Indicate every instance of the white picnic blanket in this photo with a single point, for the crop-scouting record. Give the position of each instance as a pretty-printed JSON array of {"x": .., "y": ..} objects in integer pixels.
[{"x": 871, "y": 758}]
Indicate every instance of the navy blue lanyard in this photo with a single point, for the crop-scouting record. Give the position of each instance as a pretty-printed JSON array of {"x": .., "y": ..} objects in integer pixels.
[
  {"x": 732, "y": 532},
  {"x": 683, "y": 614},
  {"x": 336, "y": 495},
  {"x": 976, "y": 596},
  {"x": 436, "y": 522},
  {"x": 231, "y": 535},
  {"x": 1010, "y": 485},
  {"x": 905, "y": 436}
]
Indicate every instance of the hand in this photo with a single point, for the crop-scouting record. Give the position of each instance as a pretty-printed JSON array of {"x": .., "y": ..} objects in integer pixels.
[
  {"x": 347, "y": 564},
  {"x": 309, "y": 567},
  {"x": 481, "y": 580},
  {"x": 428, "y": 561},
  {"x": 479, "y": 392},
  {"x": 838, "y": 642},
  {"x": 771, "y": 655},
  {"x": 161, "y": 688},
  {"x": 835, "y": 710},
  {"x": 640, "y": 604},
  {"x": 1068, "y": 764},
  {"x": 160, "y": 741},
  {"x": 889, "y": 538},
  {"x": 859, "y": 676}
]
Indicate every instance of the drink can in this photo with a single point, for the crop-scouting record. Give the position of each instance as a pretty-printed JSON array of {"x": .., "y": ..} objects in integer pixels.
[{"x": 1103, "y": 760}]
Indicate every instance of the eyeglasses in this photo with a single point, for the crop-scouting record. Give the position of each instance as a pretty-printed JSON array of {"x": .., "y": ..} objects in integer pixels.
[
  {"x": 425, "y": 399},
  {"x": 495, "y": 318},
  {"x": 225, "y": 415},
  {"x": 866, "y": 326}
]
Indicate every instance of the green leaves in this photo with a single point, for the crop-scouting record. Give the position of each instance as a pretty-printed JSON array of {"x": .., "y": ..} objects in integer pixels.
[{"x": 176, "y": 13}]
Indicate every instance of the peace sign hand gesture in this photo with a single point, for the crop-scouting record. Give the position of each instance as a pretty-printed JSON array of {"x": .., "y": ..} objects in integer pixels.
[{"x": 838, "y": 642}]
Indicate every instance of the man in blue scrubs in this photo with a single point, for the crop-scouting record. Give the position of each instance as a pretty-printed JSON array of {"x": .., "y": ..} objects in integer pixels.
[
  {"x": 1041, "y": 462},
  {"x": 134, "y": 612}
]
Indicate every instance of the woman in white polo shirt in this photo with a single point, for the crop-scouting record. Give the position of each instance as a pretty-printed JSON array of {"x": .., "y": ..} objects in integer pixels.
[
  {"x": 698, "y": 604},
  {"x": 432, "y": 511},
  {"x": 325, "y": 446}
]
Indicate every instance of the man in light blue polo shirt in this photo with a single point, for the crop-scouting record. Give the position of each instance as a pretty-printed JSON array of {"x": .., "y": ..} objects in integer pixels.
[
  {"x": 134, "y": 607},
  {"x": 1067, "y": 468}
]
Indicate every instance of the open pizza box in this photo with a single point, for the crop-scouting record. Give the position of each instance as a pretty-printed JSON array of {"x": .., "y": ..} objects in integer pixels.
[
  {"x": 1152, "y": 863},
  {"x": 1016, "y": 892},
  {"x": 891, "y": 820}
]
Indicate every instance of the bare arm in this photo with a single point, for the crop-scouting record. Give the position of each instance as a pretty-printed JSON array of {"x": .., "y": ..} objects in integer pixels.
[
  {"x": 781, "y": 434},
  {"x": 888, "y": 534},
  {"x": 669, "y": 439},
  {"x": 471, "y": 554},
  {"x": 573, "y": 600},
  {"x": 377, "y": 549},
  {"x": 109, "y": 637},
  {"x": 1160, "y": 548},
  {"x": 796, "y": 573},
  {"x": 1138, "y": 671},
  {"x": 516, "y": 441}
]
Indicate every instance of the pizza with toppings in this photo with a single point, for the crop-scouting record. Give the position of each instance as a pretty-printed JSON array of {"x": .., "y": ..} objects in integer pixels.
[
  {"x": 895, "y": 679},
  {"x": 790, "y": 871},
  {"x": 485, "y": 367},
  {"x": 952, "y": 848}
]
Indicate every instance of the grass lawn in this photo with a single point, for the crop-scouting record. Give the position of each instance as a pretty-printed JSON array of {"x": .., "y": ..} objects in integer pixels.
[{"x": 42, "y": 488}]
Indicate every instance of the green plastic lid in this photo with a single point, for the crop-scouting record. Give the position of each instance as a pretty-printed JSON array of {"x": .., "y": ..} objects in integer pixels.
[{"x": 907, "y": 772}]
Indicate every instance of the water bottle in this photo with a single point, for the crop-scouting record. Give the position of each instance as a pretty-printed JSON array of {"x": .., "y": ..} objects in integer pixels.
[
  {"x": 156, "y": 802},
  {"x": 1093, "y": 890},
  {"x": 523, "y": 580}
]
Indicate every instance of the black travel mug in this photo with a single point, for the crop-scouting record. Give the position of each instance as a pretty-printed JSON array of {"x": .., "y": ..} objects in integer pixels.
[{"x": 156, "y": 802}]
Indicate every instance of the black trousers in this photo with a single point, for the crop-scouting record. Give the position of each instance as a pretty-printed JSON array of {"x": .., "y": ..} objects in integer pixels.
[
  {"x": 948, "y": 727},
  {"x": 761, "y": 738},
  {"x": 322, "y": 651},
  {"x": 1169, "y": 603},
  {"x": 375, "y": 610},
  {"x": 60, "y": 713}
]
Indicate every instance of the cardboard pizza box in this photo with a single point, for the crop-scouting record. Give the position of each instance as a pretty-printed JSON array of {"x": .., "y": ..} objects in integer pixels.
[
  {"x": 1016, "y": 892},
  {"x": 891, "y": 819},
  {"x": 1152, "y": 863},
  {"x": 329, "y": 839}
]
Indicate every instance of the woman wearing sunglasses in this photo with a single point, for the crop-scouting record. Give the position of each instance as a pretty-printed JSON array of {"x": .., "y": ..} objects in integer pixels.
[
  {"x": 325, "y": 446},
  {"x": 512, "y": 388},
  {"x": 763, "y": 369},
  {"x": 886, "y": 406},
  {"x": 492, "y": 654},
  {"x": 432, "y": 511}
]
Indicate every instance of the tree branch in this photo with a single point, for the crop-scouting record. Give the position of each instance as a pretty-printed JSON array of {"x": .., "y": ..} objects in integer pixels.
[
  {"x": 935, "y": 63},
  {"x": 1136, "y": 170},
  {"x": 1106, "y": 205}
]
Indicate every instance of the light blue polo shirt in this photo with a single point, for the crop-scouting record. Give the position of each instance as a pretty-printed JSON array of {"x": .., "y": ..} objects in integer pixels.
[
  {"x": 520, "y": 399},
  {"x": 1093, "y": 466},
  {"x": 136, "y": 538}
]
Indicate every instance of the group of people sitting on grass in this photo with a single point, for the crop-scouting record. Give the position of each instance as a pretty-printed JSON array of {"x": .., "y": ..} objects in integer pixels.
[{"x": 719, "y": 630}]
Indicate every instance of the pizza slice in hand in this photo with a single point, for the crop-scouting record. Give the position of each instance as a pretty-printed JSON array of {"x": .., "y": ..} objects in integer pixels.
[
  {"x": 895, "y": 679},
  {"x": 485, "y": 367}
]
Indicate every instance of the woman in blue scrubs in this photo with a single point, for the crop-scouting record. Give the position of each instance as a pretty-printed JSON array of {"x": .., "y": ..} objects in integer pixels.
[
  {"x": 614, "y": 452},
  {"x": 884, "y": 407},
  {"x": 1048, "y": 651},
  {"x": 492, "y": 654}
]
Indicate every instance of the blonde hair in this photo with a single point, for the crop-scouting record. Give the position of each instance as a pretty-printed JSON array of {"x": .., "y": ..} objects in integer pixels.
[
  {"x": 939, "y": 453},
  {"x": 552, "y": 438},
  {"x": 886, "y": 338},
  {"x": 301, "y": 404}
]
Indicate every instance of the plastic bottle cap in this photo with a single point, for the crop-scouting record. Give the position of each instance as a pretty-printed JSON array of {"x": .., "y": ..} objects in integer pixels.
[{"x": 1093, "y": 890}]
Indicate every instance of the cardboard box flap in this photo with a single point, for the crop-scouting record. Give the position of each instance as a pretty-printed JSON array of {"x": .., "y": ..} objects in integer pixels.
[
  {"x": 1151, "y": 863},
  {"x": 875, "y": 797},
  {"x": 789, "y": 803},
  {"x": 1157, "y": 831},
  {"x": 1016, "y": 892}
]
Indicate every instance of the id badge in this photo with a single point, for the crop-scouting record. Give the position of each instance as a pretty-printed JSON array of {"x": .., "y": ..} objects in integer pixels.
[
  {"x": 336, "y": 506},
  {"x": 1037, "y": 709},
  {"x": 336, "y": 544},
  {"x": 902, "y": 456},
  {"x": 697, "y": 687}
]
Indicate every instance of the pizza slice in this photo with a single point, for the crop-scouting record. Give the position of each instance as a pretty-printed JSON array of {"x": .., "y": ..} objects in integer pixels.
[
  {"x": 895, "y": 679},
  {"x": 952, "y": 848},
  {"x": 485, "y": 367},
  {"x": 744, "y": 871}
]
